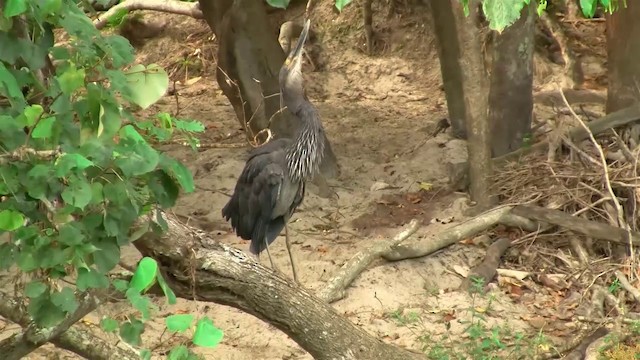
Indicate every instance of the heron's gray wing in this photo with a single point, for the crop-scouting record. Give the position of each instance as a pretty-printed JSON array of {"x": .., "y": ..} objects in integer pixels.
[{"x": 250, "y": 209}]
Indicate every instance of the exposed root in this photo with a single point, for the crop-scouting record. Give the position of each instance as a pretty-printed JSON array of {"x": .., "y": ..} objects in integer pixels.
[{"x": 336, "y": 286}]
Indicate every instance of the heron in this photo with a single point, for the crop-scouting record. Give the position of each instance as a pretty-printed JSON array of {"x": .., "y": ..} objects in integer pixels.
[{"x": 272, "y": 183}]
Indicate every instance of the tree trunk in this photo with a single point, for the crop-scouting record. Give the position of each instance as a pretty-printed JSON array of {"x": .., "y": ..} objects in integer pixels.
[
  {"x": 468, "y": 87},
  {"x": 449, "y": 53},
  {"x": 194, "y": 263},
  {"x": 623, "y": 51},
  {"x": 249, "y": 61},
  {"x": 511, "y": 94}
]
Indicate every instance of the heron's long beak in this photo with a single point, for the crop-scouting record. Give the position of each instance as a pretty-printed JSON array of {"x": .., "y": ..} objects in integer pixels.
[{"x": 294, "y": 59}]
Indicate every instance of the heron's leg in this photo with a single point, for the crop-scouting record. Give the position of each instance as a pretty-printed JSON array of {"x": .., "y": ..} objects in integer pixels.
[
  {"x": 273, "y": 265},
  {"x": 293, "y": 266}
]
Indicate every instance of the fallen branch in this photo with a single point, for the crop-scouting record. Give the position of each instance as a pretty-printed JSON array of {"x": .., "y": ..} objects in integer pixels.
[
  {"x": 169, "y": 6},
  {"x": 590, "y": 228},
  {"x": 19, "y": 345},
  {"x": 195, "y": 264},
  {"x": 335, "y": 288},
  {"x": 77, "y": 339},
  {"x": 487, "y": 269},
  {"x": 435, "y": 242}
]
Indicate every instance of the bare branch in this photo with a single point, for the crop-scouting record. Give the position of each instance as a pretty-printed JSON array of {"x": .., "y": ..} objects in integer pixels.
[
  {"x": 335, "y": 289},
  {"x": 168, "y": 6},
  {"x": 22, "y": 344}
]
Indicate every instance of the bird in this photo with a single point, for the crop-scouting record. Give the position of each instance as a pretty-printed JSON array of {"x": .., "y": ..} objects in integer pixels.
[{"x": 271, "y": 185}]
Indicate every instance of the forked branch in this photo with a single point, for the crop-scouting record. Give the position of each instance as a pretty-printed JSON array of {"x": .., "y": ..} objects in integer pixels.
[{"x": 169, "y": 6}]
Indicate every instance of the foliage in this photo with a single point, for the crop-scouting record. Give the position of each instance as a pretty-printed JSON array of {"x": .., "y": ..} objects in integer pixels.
[{"x": 78, "y": 172}]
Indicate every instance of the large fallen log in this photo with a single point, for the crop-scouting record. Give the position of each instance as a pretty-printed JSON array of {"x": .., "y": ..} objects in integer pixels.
[{"x": 191, "y": 259}]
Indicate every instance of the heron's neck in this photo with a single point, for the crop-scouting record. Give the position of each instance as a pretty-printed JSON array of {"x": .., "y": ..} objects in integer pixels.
[{"x": 305, "y": 153}]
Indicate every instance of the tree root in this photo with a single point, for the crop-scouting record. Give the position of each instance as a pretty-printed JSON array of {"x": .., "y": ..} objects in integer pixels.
[
  {"x": 168, "y": 6},
  {"x": 335, "y": 289},
  {"x": 435, "y": 242},
  {"x": 579, "y": 352}
]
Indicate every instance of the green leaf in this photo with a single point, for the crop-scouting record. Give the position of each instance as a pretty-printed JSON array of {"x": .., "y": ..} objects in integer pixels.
[
  {"x": 189, "y": 126},
  {"x": 78, "y": 193},
  {"x": 7, "y": 255},
  {"x": 65, "y": 300},
  {"x": 31, "y": 114},
  {"x": 171, "y": 297},
  {"x": 14, "y": 7},
  {"x": 179, "y": 322},
  {"x": 140, "y": 302},
  {"x": 44, "y": 312},
  {"x": 71, "y": 80},
  {"x": 120, "y": 285},
  {"x": 145, "y": 354},
  {"x": 34, "y": 289},
  {"x": 121, "y": 51},
  {"x": 131, "y": 332},
  {"x": 48, "y": 7},
  {"x": 44, "y": 128},
  {"x": 109, "y": 121},
  {"x": 163, "y": 188},
  {"x": 145, "y": 275},
  {"x": 502, "y": 13},
  {"x": 179, "y": 172},
  {"x": 588, "y": 7},
  {"x": 206, "y": 334},
  {"x": 146, "y": 85},
  {"x": 12, "y": 133},
  {"x": 107, "y": 255},
  {"x": 180, "y": 352},
  {"x": 135, "y": 157},
  {"x": 281, "y": 4},
  {"x": 70, "y": 235},
  {"x": 11, "y": 220},
  {"x": 91, "y": 279},
  {"x": 71, "y": 161},
  {"x": 27, "y": 262},
  {"x": 340, "y": 4},
  {"x": 12, "y": 90},
  {"x": 109, "y": 325}
]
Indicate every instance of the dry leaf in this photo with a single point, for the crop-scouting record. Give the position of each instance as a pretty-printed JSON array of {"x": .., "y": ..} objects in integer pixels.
[
  {"x": 425, "y": 185},
  {"x": 379, "y": 185},
  {"x": 193, "y": 80}
]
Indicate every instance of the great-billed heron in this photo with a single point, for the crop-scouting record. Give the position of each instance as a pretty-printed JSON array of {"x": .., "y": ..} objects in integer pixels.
[{"x": 272, "y": 183}]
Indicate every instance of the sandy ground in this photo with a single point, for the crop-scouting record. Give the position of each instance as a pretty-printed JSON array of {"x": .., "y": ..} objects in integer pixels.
[{"x": 378, "y": 113}]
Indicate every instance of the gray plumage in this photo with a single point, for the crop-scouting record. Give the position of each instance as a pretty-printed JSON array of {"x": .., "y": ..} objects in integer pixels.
[{"x": 272, "y": 183}]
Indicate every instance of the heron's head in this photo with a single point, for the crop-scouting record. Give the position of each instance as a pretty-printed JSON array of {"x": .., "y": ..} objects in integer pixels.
[{"x": 291, "y": 73}]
